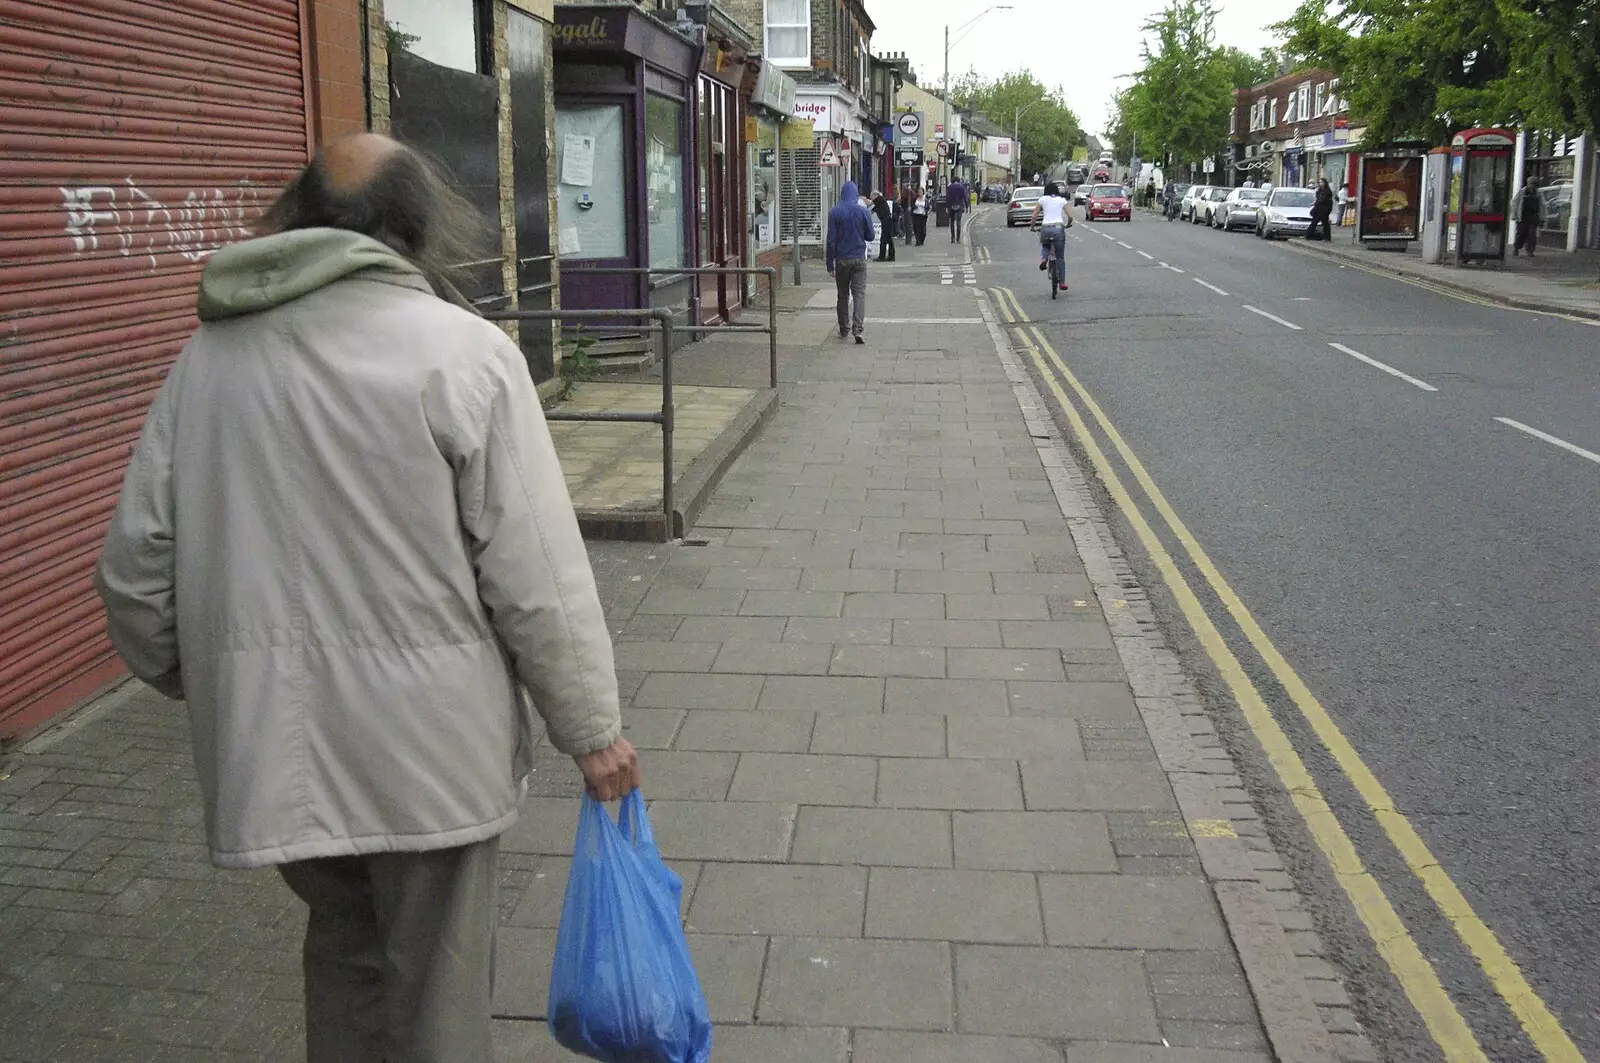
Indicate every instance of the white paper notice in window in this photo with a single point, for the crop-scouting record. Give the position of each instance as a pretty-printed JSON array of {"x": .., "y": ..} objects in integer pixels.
[{"x": 577, "y": 160}]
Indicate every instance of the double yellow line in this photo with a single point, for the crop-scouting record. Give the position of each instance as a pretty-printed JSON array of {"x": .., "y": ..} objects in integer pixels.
[{"x": 1393, "y": 940}]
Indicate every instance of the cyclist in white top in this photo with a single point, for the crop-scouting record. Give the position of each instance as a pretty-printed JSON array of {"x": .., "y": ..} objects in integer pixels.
[{"x": 1052, "y": 216}]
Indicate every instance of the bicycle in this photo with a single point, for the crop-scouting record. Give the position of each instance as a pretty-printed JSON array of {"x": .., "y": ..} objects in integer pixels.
[{"x": 1054, "y": 270}]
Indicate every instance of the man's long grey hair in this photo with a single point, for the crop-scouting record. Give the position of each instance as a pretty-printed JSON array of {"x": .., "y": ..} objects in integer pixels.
[{"x": 407, "y": 204}]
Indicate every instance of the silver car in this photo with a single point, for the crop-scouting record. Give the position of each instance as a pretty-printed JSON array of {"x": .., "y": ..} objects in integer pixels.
[
  {"x": 1019, "y": 208},
  {"x": 1238, "y": 209},
  {"x": 1189, "y": 204},
  {"x": 1207, "y": 204},
  {"x": 1286, "y": 213}
]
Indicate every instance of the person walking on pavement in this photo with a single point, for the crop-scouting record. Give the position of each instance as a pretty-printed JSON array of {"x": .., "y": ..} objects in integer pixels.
[
  {"x": 907, "y": 195},
  {"x": 1341, "y": 205},
  {"x": 884, "y": 209},
  {"x": 345, "y": 540},
  {"x": 955, "y": 199},
  {"x": 1321, "y": 211},
  {"x": 849, "y": 232},
  {"x": 1525, "y": 208},
  {"x": 919, "y": 216}
]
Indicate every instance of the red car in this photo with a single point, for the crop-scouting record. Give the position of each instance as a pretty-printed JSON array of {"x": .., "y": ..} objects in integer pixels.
[{"x": 1108, "y": 201}]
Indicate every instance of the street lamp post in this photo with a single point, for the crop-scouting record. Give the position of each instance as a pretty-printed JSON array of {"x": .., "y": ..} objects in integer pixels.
[
  {"x": 1016, "y": 142},
  {"x": 964, "y": 25}
]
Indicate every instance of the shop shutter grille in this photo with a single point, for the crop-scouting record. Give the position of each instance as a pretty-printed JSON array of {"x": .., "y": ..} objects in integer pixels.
[
  {"x": 802, "y": 163},
  {"x": 137, "y": 136}
]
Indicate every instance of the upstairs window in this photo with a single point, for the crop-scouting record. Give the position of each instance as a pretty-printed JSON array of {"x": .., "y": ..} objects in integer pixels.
[{"x": 789, "y": 32}]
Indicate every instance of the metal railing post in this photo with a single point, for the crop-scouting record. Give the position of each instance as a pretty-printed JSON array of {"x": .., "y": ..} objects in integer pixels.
[
  {"x": 668, "y": 409},
  {"x": 772, "y": 322}
]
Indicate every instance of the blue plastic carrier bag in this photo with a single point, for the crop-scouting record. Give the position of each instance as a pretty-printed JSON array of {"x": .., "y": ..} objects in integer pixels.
[{"x": 622, "y": 987}]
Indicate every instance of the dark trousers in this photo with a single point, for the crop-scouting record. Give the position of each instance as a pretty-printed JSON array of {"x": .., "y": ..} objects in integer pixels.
[
  {"x": 955, "y": 226},
  {"x": 399, "y": 955},
  {"x": 850, "y": 282},
  {"x": 919, "y": 225},
  {"x": 886, "y": 244},
  {"x": 1527, "y": 235},
  {"x": 1319, "y": 220}
]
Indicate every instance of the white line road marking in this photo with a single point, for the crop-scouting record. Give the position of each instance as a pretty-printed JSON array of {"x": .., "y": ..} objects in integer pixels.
[
  {"x": 1272, "y": 317},
  {"x": 1124, "y": 243},
  {"x": 1108, "y": 236},
  {"x": 1148, "y": 255},
  {"x": 1391, "y": 370},
  {"x": 1548, "y": 438},
  {"x": 1208, "y": 284},
  {"x": 1174, "y": 269}
]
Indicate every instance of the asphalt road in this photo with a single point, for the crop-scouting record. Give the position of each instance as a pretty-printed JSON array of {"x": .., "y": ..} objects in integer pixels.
[{"x": 1433, "y": 574}]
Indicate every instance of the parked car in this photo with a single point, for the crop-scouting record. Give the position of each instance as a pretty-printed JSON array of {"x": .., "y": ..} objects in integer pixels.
[
  {"x": 1186, "y": 205},
  {"x": 1206, "y": 204},
  {"x": 1238, "y": 209},
  {"x": 1019, "y": 211},
  {"x": 1108, "y": 201},
  {"x": 1286, "y": 212}
]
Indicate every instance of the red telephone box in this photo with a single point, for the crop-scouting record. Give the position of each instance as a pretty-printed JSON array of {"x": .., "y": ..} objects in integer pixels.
[{"x": 1480, "y": 195}]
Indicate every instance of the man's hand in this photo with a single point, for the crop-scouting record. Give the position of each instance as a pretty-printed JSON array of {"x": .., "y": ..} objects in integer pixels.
[{"x": 611, "y": 772}]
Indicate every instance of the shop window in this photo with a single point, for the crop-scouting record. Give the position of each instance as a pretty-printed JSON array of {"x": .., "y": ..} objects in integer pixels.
[
  {"x": 663, "y": 135},
  {"x": 789, "y": 32},
  {"x": 446, "y": 32},
  {"x": 592, "y": 197},
  {"x": 765, "y": 193}
]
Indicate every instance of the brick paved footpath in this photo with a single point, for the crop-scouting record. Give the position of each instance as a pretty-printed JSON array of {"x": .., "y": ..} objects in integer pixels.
[{"x": 888, "y": 742}]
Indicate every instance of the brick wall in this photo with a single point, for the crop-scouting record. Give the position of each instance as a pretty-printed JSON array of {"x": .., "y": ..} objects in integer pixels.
[
  {"x": 338, "y": 103},
  {"x": 752, "y": 15},
  {"x": 377, "y": 68},
  {"x": 508, "y": 189}
]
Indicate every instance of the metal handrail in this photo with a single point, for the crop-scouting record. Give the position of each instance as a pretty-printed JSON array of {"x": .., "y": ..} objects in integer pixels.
[
  {"x": 770, "y": 272},
  {"x": 662, "y": 323}
]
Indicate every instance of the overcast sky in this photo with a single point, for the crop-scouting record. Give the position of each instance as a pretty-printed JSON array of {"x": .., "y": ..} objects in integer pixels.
[{"x": 1083, "y": 48}]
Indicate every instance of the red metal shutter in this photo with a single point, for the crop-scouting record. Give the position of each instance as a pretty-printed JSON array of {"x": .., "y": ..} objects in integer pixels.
[{"x": 136, "y": 137}]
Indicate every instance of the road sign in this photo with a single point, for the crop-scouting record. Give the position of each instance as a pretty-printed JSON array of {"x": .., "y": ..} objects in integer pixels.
[
  {"x": 1208, "y": 165},
  {"x": 828, "y": 153},
  {"x": 908, "y": 156},
  {"x": 908, "y": 127}
]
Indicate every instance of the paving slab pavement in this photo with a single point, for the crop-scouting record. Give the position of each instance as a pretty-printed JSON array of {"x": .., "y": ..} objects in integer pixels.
[{"x": 931, "y": 795}]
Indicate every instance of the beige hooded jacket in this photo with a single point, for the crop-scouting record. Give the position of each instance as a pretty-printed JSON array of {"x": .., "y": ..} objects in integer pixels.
[{"x": 344, "y": 538}]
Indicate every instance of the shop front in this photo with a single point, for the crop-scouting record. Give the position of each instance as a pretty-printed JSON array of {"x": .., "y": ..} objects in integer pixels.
[
  {"x": 720, "y": 175},
  {"x": 769, "y": 104},
  {"x": 817, "y": 172},
  {"x": 626, "y": 107}
]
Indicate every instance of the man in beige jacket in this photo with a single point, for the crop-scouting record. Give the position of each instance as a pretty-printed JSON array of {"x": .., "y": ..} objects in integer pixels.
[{"x": 344, "y": 539}]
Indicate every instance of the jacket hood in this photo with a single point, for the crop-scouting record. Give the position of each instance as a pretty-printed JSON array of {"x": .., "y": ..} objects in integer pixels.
[
  {"x": 849, "y": 193},
  {"x": 259, "y": 274}
]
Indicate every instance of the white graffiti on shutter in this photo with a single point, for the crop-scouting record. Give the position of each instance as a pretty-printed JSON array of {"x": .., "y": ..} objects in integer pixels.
[{"x": 133, "y": 223}]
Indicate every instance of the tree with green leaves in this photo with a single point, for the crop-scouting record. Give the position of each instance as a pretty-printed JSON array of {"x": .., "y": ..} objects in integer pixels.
[
  {"x": 1049, "y": 130},
  {"x": 1182, "y": 94}
]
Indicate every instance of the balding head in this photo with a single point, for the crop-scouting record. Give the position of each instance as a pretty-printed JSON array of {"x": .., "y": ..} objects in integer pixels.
[
  {"x": 379, "y": 187},
  {"x": 350, "y": 161}
]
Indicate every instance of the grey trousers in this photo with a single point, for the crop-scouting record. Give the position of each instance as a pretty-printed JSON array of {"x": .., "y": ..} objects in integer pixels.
[
  {"x": 850, "y": 277},
  {"x": 399, "y": 955}
]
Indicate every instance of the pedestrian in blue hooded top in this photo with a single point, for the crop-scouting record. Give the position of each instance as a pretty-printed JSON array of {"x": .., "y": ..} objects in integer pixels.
[{"x": 849, "y": 232}]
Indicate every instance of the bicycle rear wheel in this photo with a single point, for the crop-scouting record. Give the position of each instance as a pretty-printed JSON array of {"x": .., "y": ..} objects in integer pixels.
[{"x": 1054, "y": 273}]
